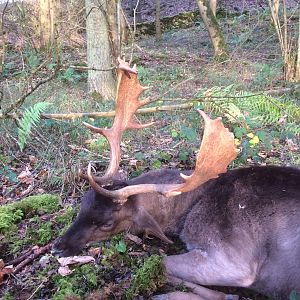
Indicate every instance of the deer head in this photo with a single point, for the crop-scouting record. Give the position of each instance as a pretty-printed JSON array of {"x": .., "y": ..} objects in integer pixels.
[
  {"x": 105, "y": 210},
  {"x": 216, "y": 152}
]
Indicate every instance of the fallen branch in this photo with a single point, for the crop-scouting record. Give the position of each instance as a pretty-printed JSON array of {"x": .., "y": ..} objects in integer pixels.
[
  {"x": 188, "y": 103},
  {"x": 28, "y": 257},
  {"x": 73, "y": 116}
]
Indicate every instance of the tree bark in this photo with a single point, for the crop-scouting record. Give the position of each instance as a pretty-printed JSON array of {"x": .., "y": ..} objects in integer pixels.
[
  {"x": 48, "y": 15},
  {"x": 297, "y": 76},
  {"x": 157, "y": 20},
  {"x": 99, "y": 50},
  {"x": 213, "y": 6},
  {"x": 214, "y": 30}
]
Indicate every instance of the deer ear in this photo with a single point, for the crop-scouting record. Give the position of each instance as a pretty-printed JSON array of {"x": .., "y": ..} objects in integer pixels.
[{"x": 146, "y": 223}]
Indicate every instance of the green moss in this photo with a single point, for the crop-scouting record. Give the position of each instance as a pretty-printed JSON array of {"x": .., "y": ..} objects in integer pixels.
[
  {"x": 8, "y": 296},
  {"x": 83, "y": 280},
  {"x": 13, "y": 213},
  {"x": 147, "y": 278},
  {"x": 41, "y": 235}
]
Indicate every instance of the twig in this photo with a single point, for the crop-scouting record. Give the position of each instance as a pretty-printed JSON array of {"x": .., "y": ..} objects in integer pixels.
[
  {"x": 28, "y": 258},
  {"x": 20, "y": 258},
  {"x": 134, "y": 30},
  {"x": 20, "y": 101},
  {"x": 35, "y": 291},
  {"x": 83, "y": 68}
]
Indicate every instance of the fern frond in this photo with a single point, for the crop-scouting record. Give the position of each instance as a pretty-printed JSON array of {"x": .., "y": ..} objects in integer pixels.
[
  {"x": 263, "y": 110},
  {"x": 31, "y": 118}
]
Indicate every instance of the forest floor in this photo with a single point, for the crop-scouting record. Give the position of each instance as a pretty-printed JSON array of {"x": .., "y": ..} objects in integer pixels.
[{"x": 246, "y": 91}]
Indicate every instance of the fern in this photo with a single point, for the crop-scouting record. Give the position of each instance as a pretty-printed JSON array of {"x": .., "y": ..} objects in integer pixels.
[
  {"x": 31, "y": 118},
  {"x": 262, "y": 110}
]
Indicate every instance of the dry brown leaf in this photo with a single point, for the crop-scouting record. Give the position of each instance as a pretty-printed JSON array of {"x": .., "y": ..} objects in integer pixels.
[
  {"x": 27, "y": 191},
  {"x": 134, "y": 238},
  {"x": 94, "y": 251},
  {"x": 65, "y": 261},
  {"x": 32, "y": 159},
  {"x": 26, "y": 176},
  {"x": 4, "y": 271},
  {"x": 64, "y": 271}
]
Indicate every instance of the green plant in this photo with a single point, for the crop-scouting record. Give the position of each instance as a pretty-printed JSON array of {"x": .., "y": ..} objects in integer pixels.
[
  {"x": 294, "y": 296},
  {"x": 83, "y": 280},
  {"x": 148, "y": 278},
  {"x": 31, "y": 118},
  {"x": 11, "y": 214},
  {"x": 71, "y": 76},
  {"x": 40, "y": 235}
]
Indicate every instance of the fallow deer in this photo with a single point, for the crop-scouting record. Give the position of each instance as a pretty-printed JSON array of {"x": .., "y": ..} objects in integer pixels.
[{"x": 241, "y": 227}]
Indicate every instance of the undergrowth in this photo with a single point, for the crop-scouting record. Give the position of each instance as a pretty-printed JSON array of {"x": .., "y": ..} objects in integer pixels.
[
  {"x": 147, "y": 278},
  {"x": 11, "y": 214}
]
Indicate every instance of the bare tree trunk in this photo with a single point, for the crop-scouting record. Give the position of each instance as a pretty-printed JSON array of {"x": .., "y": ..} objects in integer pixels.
[
  {"x": 288, "y": 45},
  {"x": 297, "y": 76},
  {"x": 214, "y": 30},
  {"x": 157, "y": 20},
  {"x": 117, "y": 26},
  {"x": 213, "y": 6},
  {"x": 3, "y": 48},
  {"x": 99, "y": 52},
  {"x": 136, "y": 6},
  {"x": 49, "y": 12}
]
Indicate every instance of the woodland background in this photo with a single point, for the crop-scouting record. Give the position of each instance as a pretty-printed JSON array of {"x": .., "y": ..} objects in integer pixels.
[{"x": 57, "y": 69}]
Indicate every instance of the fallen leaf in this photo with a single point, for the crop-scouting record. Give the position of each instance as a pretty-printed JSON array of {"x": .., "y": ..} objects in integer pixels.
[
  {"x": 134, "y": 238},
  {"x": 64, "y": 271},
  {"x": 26, "y": 176},
  {"x": 33, "y": 159},
  {"x": 4, "y": 271},
  {"x": 65, "y": 261},
  {"x": 44, "y": 261},
  {"x": 27, "y": 191},
  {"x": 94, "y": 251}
]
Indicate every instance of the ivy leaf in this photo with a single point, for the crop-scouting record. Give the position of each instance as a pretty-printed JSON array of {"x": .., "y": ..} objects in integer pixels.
[
  {"x": 174, "y": 133},
  {"x": 156, "y": 164},
  {"x": 121, "y": 247},
  {"x": 239, "y": 132}
]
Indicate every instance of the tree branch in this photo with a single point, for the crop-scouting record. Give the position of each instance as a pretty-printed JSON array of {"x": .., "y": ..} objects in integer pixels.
[{"x": 29, "y": 91}]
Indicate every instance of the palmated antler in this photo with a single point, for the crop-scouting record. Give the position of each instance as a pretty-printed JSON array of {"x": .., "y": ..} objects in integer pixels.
[
  {"x": 127, "y": 102},
  {"x": 216, "y": 153}
]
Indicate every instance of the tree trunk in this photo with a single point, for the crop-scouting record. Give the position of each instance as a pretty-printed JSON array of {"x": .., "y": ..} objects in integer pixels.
[
  {"x": 214, "y": 30},
  {"x": 99, "y": 52},
  {"x": 136, "y": 9},
  {"x": 157, "y": 20},
  {"x": 213, "y": 6},
  {"x": 48, "y": 15},
  {"x": 297, "y": 76},
  {"x": 290, "y": 49}
]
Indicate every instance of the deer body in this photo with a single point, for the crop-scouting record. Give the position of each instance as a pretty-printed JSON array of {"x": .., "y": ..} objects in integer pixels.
[{"x": 241, "y": 229}]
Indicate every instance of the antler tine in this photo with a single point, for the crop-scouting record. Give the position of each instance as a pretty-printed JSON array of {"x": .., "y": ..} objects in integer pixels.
[
  {"x": 216, "y": 152},
  {"x": 127, "y": 102}
]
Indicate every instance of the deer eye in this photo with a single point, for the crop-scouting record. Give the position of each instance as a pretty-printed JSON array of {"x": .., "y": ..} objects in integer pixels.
[{"x": 108, "y": 225}]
